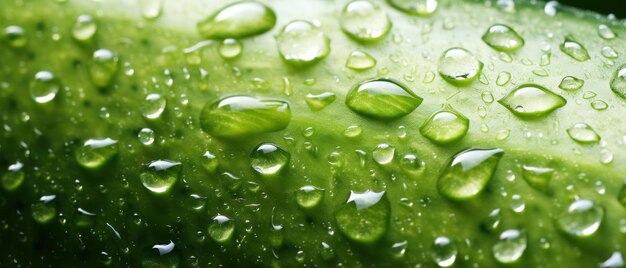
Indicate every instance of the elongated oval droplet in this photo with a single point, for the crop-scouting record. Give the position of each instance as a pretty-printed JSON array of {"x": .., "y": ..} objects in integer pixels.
[
  {"x": 574, "y": 49},
  {"x": 300, "y": 42},
  {"x": 583, "y": 133},
  {"x": 605, "y": 32},
  {"x": 571, "y": 83},
  {"x": 364, "y": 218},
  {"x": 382, "y": 99},
  {"x": 415, "y": 7},
  {"x": 503, "y": 38},
  {"x": 238, "y": 20},
  {"x": 459, "y": 67},
  {"x": 44, "y": 87},
  {"x": 360, "y": 61},
  {"x": 84, "y": 28},
  {"x": 242, "y": 116},
  {"x": 104, "y": 67},
  {"x": 532, "y": 101},
  {"x": 162, "y": 175},
  {"x": 510, "y": 247},
  {"x": 582, "y": 218},
  {"x": 95, "y": 153},
  {"x": 309, "y": 197},
  {"x": 364, "y": 21},
  {"x": 618, "y": 82},
  {"x": 317, "y": 102},
  {"x": 538, "y": 177},
  {"x": 221, "y": 229},
  {"x": 445, "y": 126},
  {"x": 14, "y": 177},
  {"x": 15, "y": 36},
  {"x": 468, "y": 172},
  {"x": 269, "y": 159}
]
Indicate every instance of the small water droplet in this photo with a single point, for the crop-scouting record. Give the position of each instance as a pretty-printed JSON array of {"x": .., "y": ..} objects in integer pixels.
[
  {"x": 415, "y": 7},
  {"x": 103, "y": 68},
  {"x": 15, "y": 36},
  {"x": 609, "y": 53},
  {"x": 589, "y": 95},
  {"x": 487, "y": 97},
  {"x": 151, "y": 9},
  {"x": 44, "y": 87},
  {"x": 398, "y": 249},
  {"x": 538, "y": 177},
  {"x": 571, "y": 83},
  {"x": 364, "y": 218},
  {"x": 493, "y": 220},
  {"x": 574, "y": 49},
  {"x": 445, "y": 126},
  {"x": 510, "y": 247},
  {"x": 532, "y": 101},
  {"x": 309, "y": 197},
  {"x": 364, "y": 21},
  {"x": 517, "y": 204},
  {"x": 162, "y": 176},
  {"x": 238, "y": 20},
  {"x": 605, "y": 32},
  {"x": 360, "y": 61},
  {"x": 146, "y": 136},
  {"x": 317, "y": 102},
  {"x": 503, "y": 134},
  {"x": 300, "y": 42},
  {"x": 582, "y": 218},
  {"x": 14, "y": 178},
  {"x": 382, "y": 99},
  {"x": 353, "y": 131},
  {"x": 599, "y": 105},
  {"x": 84, "y": 28},
  {"x": 230, "y": 48},
  {"x": 583, "y": 133},
  {"x": 503, "y": 38},
  {"x": 503, "y": 78},
  {"x": 44, "y": 210},
  {"x": 153, "y": 106},
  {"x": 269, "y": 159},
  {"x": 384, "y": 154},
  {"x": 443, "y": 252},
  {"x": 459, "y": 67},
  {"x": 412, "y": 165},
  {"x": 95, "y": 153},
  {"x": 468, "y": 172},
  {"x": 221, "y": 229}
]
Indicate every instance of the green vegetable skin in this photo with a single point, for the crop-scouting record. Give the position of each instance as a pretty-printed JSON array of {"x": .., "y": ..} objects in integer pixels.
[{"x": 105, "y": 215}]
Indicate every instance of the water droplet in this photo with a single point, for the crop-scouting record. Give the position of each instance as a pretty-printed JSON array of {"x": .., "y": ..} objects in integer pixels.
[
  {"x": 606, "y": 156},
  {"x": 151, "y": 9},
  {"x": 443, "y": 252},
  {"x": 300, "y": 42},
  {"x": 532, "y": 101},
  {"x": 503, "y": 78},
  {"x": 517, "y": 204},
  {"x": 493, "y": 220},
  {"x": 146, "y": 136},
  {"x": 582, "y": 219},
  {"x": 84, "y": 28},
  {"x": 14, "y": 178},
  {"x": 317, "y": 102},
  {"x": 571, "y": 83},
  {"x": 309, "y": 197},
  {"x": 487, "y": 97},
  {"x": 503, "y": 38},
  {"x": 353, "y": 131},
  {"x": 415, "y": 7},
  {"x": 364, "y": 21},
  {"x": 84, "y": 218},
  {"x": 382, "y": 99},
  {"x": 574, "y": 49},
  {"x": 618, "y": 81},
  {"x": 503, "y": 134},
  {"x": 95, "y": 153},
  {"x": 44, "y": 87},
  {"x": 459, "y": 67},
  {"x": 599, "y": 105},
  {"x": 538, "y": 177},
  {"x": 589, "y": 95},
  {"x": 210, "y": 162},
  {"x": 160, "y": 255},
  {"x": 269, "y": 159},
  {"x": 153, "y": 106},
  {"x": 468, "y": 172},
  {"x": 15, "y": 36},
  {"x": 231, "y": 182},
  {"x": 238, "y": 20},
  {"x": 583, "y": 133},
  {"x": 221, "y": 229},
  {"x": 609, "y": 52},
  {"x": 103, "y": 68},
  {"x": 162, "y": 176},
  {"x": 399, "y": 249},
  {"x": 510, "y": 247},
  {"x": 44, "y": 211},
  {"x": 605, "y": 32},
  {"x": 445, "y": 126},
  {"x": 383, "y": 154},
  {"x": 412, "y": 165},
  {"x": 616, "y": 260},
  {"x": 364, "y": 218},
  {"x": 230, "y": 48},
  {"x": 360, "y": 61}
]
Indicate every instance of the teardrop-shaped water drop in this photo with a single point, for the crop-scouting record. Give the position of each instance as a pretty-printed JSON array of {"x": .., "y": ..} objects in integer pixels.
[
  {"x": 364, "y": 21},
  {"x": 583, "y": 133},
  {"x": 95, "y": 153},
  {"x": 360, "y": 61},
  {"x": 317, "y": 102},
  {"x": 445, "y": 126},
  {"x": 238, "y": 20},
  {"x": 14, "y": 177},
  {"x": 151, "y": 9},
  {"x": 468, "y": 172},
  {"x": 309, "y": 197},
  {"x": 609, "y": 52},
  {"x": 605, "y": 32},
  {"x": 161, "y": 177},
  {"x": 104, "y": 67},
  {"x": 503, "y": 38},
  {"x": 383, "y": 154},
  {"x": 382, "y": 99},
  {"x": 538, "y": 177},
  {"x": 242, "y": 116},
  {"x": 221, "y": 229},
  {"x": 574, "y": 49},
  {"x": 230, "y": 48},
  {"x": 15, "y": 36},
  {"x": 415, "y": 7},
  {"x": 510, "y": 247},
  {"x": 84, "y": 28},
  {"x": 443, "y": 252},
  {"x": 44, "y": 87},
  {"x": 153, "y": 106},
  {"x": 582, "y": 218},
  {"x": 532, "y": 101},
  {"x": 269, "y": 159},
  {"x": 459, "y": 67},
  {"x": 618, "y": 82},
  {"x": 571, "y": 83},
  {"x": 364, "y": 218},
  {"x": 300, "y": 43}
]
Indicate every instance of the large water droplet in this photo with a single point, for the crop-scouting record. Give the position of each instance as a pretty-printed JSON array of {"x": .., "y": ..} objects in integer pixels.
[
  {"x": 382, "y": 99},
  {"x": 360, "y": 61},
  {"x": 583, "y": 133},
  {"x": 44, "y": 87},
  {"x": 443, "y": 252},
  {"x": 468, "y": 172},
  {"x": 582, "y": 218},
  {"x": 317, "y": 102},
  {"x": 383, "y": 154},
  {"x": 162, "y": 176},
  {"x": 365, "y": 216},
  {"x": 104, "y": 67},
  {"x": 95, "y": 153},
  {"x": 574, "y": 49},
  {"x": 571, "y": 83},
  {"x": 364, "y": 21},
  {"x": 309, "y": 197},
  {"x": 538, "y": 177},
  {"x": 415, "y": 7},
  {"x": 242, "y": 116},
  {"x": 15, "y": 36},
  {"x": 503, "y": 38},
  {"x": 532, "y": 101},
  {"x": 45, "y": 210},
  {"x": 618, "y": 81},
  {"x": 221, "y": 229},
  {"x": 300, "y": 42},
  {"x": 510, "y": 247},
  {"x": 238, "y": 20},
  {"x": 445, "y": 126},
  {"x": 14, "y": 177},
  {"x": 84, "y": 28},
  {"x": 153, "y": 106},
  {"x": 459, "y": 67},
  {"x": 269, "y": 159}
]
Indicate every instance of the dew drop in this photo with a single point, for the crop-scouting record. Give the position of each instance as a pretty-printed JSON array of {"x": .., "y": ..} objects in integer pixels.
[
  {"x": 415, "y": 7},
  {"x": 317, "y": 102},
  {"x": 618, "y": 82},
  {"x": 574, "y": 49},
  {"x": 364, "y": 218},
  {"x": 445, "y": 126},
  {"x": 230, "y": 48},
  {"x": 503, "y": 38},
  {"x": 538, "y": 177},
  {"x": 383, "y": 154},
  {"x": 510, "y": 247},
  {"x": 605, "y": 32},
  {"x": 84, "y": 28},
  {"x": 309, "y": 197},
  {"x": 44, "y": 87},
  {"x": 360, "y": 61},
  {"x": 146, "y": 136},
  {"x": 238, "y": 20},
  {"x": 153, "y": 106},
  {"x": 503, "y": 78},
  {"x": 583, "y": 133},
  {"x": 582, "y": 218},
  {"x": 382, "y": 99},
  {"x": 364, "y": 21},
  {"x": 151, "y": 9},
  {"x": 532, "y": 101},
  {"x": 571, "y": 83},
  {"x": 95, "y": 153},
  {"x": 459, "y": 67},
  {"x": 161, "y": 177},
  {"x": 443, "y": 252},
  {"x": 269, "y": 159},
  {"x": 468, "y": 172},
  {"x": 300, "y": 42},
  {"x": 15, "y": 36},
  {"x": 221, "y": 229},
  {"x": 103, "y": 68},
  {"x": 14, "y": 177}
]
